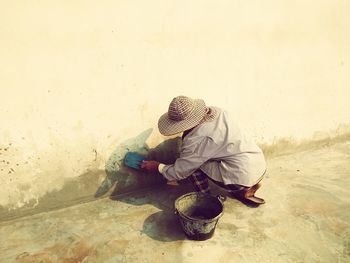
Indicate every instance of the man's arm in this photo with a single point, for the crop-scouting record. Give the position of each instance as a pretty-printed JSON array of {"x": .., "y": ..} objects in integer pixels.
[{"x": 192, "y": 157}]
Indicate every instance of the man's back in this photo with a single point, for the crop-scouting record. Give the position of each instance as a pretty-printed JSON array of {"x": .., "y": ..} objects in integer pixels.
[{"x": 234, "y": 158}]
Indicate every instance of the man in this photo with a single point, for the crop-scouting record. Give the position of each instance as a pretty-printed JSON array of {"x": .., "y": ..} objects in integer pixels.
[{"x": 213, "y": 148}]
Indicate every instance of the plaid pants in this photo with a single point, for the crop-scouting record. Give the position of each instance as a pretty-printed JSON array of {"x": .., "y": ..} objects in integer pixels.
[{"x": 201, "y": 183}]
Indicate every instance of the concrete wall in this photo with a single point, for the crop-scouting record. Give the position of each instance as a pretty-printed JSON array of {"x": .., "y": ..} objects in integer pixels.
[{"x": 81, "y": 82}]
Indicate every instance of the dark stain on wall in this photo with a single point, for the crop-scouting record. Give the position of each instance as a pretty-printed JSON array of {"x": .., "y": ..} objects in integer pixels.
[
  {"x": 117, "y": 178},
  {"x": 125, "y": 179}
]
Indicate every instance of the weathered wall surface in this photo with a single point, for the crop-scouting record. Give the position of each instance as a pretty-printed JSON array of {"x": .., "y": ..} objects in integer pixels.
[{"x": 81, "y": 83}]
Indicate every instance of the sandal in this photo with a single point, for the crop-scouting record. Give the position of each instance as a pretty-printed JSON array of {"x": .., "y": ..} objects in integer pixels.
[{"x": 248, "y": 195}]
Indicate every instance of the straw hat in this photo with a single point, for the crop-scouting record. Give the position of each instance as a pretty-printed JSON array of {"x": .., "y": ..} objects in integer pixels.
[{"x": 183, "y": 114}]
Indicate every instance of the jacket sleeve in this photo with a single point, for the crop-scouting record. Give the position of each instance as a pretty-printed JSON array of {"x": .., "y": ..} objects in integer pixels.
[{"x": 192, "y": 156}]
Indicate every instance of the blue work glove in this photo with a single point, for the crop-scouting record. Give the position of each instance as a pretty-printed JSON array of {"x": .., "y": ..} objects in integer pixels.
[{"x": 134, "y": 160}]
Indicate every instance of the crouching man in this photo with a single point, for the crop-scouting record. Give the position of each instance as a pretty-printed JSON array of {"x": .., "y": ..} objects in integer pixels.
[{"x": 213, "y": 148}]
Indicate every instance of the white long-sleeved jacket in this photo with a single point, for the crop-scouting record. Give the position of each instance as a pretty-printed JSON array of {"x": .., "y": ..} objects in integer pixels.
[{"x": 221, "y": 151}]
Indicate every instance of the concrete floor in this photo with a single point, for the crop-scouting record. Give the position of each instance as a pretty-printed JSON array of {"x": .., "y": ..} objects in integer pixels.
[{"x": 306, "y": 219}]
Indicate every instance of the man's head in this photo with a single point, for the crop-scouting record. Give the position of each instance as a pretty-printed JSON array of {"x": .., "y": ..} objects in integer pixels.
[{"x": 183, "y": 114}]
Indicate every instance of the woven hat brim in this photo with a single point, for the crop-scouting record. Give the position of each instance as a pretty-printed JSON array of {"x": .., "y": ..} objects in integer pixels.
[{"x": 169, "y": 127}]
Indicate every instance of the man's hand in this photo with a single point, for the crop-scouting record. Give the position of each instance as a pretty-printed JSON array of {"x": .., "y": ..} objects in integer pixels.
[{"x": 150, "y": 166}]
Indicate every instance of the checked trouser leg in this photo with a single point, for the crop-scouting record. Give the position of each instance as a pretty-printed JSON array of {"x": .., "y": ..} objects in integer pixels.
[{"x": 200, "y": 181}]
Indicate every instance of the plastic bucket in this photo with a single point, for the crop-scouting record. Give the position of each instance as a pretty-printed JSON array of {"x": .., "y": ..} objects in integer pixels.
[{"x": 199, "y": 213}]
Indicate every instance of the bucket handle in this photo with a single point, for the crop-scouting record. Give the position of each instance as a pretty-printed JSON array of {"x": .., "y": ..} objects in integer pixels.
[{"x": 221, "y": 198}]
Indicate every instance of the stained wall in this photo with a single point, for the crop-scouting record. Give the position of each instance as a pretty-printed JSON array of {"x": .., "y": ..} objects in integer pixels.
[{"x": 81, "y": 83}]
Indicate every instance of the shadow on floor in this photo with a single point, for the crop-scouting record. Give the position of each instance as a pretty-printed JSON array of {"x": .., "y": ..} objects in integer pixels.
[{"x": 164, "y": 224}]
